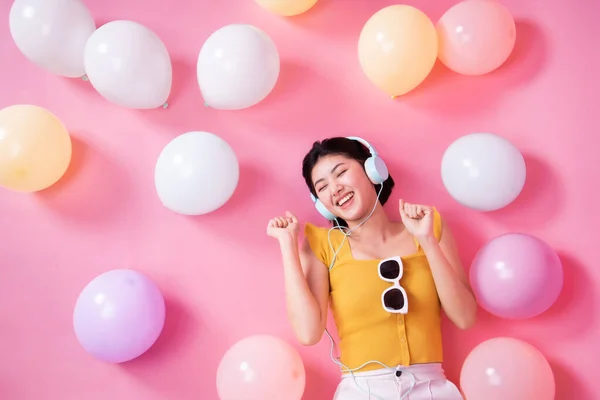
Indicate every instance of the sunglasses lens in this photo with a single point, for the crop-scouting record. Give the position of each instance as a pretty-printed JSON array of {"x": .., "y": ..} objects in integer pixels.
[
  {"x": 394, "y": 299},
  {"x": 390, "y": 269}
]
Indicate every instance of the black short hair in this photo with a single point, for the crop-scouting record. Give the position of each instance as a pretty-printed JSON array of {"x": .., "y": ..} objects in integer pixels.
[{"x": 347, "y": 147}]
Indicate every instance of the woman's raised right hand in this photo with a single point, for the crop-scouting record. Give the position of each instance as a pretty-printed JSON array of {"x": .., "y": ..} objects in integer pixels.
[{"x": 285, "y": 226}]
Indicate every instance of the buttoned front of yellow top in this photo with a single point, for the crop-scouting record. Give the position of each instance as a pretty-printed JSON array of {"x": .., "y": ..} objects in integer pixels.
[{"x": 367, "y": 332}]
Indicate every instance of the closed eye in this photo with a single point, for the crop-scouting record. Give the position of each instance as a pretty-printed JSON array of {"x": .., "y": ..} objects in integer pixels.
[
  {"x": 321, "y": 188},
  {"x": 342, "y": 173}
]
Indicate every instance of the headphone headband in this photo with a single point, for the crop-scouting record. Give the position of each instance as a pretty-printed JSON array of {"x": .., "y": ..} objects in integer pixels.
[{"x": 367, "y": 144}]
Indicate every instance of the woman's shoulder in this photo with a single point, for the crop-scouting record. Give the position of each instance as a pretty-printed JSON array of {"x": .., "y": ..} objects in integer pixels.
[
  {"x": 317, "y": 239},
  {"x": 326, "y": 232},
  {"x": 313, "y": 229},
  {"x": 437, "y": 223}
]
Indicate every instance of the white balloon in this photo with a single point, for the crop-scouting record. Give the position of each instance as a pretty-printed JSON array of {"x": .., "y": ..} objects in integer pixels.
[
  {"x": 196, "y": 173},
  {"x": 52, "y": 33},
  {"x": 129, "y": 65},
  {"x": 238, "y": 66},
  {"x": 483, "y": 171}
]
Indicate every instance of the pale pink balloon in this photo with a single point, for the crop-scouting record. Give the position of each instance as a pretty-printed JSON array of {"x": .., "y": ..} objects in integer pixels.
[
  {"x": 516, "y": 276},
  {"x": 261, "y": 367},
  {"x": 476, "y": 36},
  {"x": 506, "y": 368}
]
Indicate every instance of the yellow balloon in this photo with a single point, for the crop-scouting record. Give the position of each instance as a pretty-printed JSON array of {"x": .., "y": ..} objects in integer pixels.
[
  {"x": 35, "y": 148},
  {"x": 286, "y": 8},
  {"x": 397, "y": 48}
]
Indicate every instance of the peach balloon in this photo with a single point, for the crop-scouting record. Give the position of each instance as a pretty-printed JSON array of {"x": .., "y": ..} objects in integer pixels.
[
  {"x": 261, "y": 367},
  {"x": 287, "y": 8},
  {"x": 35, "y": 148},
  {"x": 506, "y": 368},
  {"x": 476, "y": 36},
  {"x": 397, "y": 48}
]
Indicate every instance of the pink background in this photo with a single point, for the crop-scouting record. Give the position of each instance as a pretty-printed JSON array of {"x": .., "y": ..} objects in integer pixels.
[{"x": 220, "y": 273}]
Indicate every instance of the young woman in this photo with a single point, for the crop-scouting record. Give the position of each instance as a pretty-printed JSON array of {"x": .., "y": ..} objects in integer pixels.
[{"x": 387, "y": 280}]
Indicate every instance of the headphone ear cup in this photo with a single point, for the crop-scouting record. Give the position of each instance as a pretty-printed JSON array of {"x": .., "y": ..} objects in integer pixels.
[
  {"x": 323, "y": 210},
  {"x": 376, "y": 170}
]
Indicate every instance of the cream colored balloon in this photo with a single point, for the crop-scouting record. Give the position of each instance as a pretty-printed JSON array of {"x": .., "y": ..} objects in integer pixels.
[
  {"x": 287, "y": 8},
  {"x": 35, "y": 148},
  {"x": 397, "y": 48}
]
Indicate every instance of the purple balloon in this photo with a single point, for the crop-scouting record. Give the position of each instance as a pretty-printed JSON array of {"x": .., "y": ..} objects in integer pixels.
[
  {"x": 516, "y": 276},
  {"x": 119, "y": 315}
]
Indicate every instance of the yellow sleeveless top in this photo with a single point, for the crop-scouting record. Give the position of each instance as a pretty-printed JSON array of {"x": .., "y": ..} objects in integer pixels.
[{"x": 366, "y": 331}]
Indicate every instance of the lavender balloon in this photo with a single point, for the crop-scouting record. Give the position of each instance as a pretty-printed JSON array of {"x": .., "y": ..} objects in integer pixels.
[
  {"x": 516, "y": 276},
  {"x": 119, "y": 315}
]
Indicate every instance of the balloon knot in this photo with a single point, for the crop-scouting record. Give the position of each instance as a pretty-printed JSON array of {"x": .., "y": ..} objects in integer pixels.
[
  {"x": 394, "y": 97},
  {"x": 165, "y": 105},
  {"x": 85, "y": 78},
  {"x": 206, "y": 104}
]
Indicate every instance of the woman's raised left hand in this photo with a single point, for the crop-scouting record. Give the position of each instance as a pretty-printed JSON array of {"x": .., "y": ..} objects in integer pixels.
[{"x": 418, "y": 219}]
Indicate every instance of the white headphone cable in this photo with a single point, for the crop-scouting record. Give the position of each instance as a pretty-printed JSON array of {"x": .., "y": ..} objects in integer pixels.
[{"x": 336, "y": 360}]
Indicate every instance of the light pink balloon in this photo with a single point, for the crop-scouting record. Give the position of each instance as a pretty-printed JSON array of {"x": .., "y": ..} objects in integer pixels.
[
  {"x": 506, "y": 368},
  {"x": 516, "y": 276},
  {"x": 261, "y": 367},
  {"x": 476, "y": 36}
]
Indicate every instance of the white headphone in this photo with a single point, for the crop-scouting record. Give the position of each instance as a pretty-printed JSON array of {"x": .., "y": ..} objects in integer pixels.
[{"x": 376, "y": 171}]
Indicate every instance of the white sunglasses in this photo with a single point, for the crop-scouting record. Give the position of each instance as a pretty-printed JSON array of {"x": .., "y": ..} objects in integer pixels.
[{"x": 393, "y": 299}]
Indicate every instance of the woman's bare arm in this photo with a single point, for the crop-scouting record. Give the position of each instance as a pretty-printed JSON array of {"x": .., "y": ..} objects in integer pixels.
[{"x": 307, "y": 290}]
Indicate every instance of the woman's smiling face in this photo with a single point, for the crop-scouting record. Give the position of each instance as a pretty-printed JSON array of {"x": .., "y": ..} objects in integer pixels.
[{"x": 343, "y": 187}]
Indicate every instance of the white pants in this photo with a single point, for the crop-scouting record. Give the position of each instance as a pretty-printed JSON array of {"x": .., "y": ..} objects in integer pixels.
[{"x": 428, "y": 382}]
